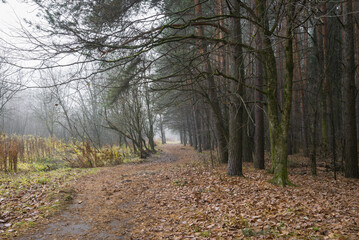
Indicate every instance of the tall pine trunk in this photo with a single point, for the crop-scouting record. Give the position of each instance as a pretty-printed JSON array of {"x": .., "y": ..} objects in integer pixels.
[
  {"x": 236, "y": 105},
  {"x": 350, "y": 130},
  {"x": 259, "y": 109},
  {"x": 221, "y": 129}
]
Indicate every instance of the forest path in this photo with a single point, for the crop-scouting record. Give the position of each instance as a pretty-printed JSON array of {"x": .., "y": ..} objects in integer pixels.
[
  {"x": 110, "y": 203},
  {"x": 178, "y": 195}
]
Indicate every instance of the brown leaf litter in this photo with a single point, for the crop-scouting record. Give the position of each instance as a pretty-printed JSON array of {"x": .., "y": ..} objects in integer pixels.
[{"x": 176, "y": 196}]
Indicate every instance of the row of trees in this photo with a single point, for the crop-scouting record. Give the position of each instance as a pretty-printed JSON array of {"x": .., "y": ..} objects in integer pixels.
[
  {"x": 227, "y": 74},
  {"x": 83, "y": 111},
  {"x": 293, "y": 62}
]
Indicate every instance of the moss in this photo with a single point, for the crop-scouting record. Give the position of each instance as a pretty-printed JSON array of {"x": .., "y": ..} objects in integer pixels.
[{"x": 281, "y": 181}]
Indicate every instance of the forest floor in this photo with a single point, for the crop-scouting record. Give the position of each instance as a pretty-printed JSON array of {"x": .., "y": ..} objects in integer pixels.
[{"x": 175, "y": 195}]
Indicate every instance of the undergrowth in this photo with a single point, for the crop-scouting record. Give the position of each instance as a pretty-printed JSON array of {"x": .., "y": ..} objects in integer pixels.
[
  {"x": 27, "y": 197},
  {"x": 29, "y": 153}
]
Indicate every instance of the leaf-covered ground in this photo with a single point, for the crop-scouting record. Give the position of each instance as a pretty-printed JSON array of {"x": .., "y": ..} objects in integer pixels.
[
  {"x": 176, "y": 196},
  {"x": 26, "y": 198}
]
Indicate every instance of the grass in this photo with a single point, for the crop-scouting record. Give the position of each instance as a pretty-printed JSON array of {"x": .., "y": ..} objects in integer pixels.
[
  {"x": 34, "y": 193},
  {"x": 42, "y": 184},
  {"x": 41, "y": 165}
]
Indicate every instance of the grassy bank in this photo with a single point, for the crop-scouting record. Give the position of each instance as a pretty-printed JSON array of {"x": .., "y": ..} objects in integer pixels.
[{"x": 29, "y": 196}]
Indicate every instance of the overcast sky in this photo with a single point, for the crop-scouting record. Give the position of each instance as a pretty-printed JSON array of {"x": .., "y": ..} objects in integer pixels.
[
  {"x": 12, "y": 15},
  {"x": 12, "y": 12}
]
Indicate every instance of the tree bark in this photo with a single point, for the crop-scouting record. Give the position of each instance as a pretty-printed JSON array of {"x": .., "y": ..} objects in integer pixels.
[
  {"x": 325, "y": 79},
  {"x": 221, "y": 129},
  {"x": 151, "y": 133},
  {"x": 190, "y": 133},
  {"x": 350, "y": 131},
  {"x": 259, "y": 110},
  {"x": 162, "y": 130},
  {"x": 198, "y": 129},
  {"x": 195, "y": 132},
  {"x": 302, "y": 103},
  {"x": 236, "y": 105},
  {"x": 313, "y": 155},
  {"x": 278, "y": 127}
]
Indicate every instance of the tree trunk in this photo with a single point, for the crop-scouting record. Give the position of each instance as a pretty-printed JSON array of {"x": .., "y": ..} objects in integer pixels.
[
  {"x": 259, "y": 110},
  {"x": 184, "y": 132},
  {"x": 189, "y": 127},
  {"x": 195, "y": 132},
  {"x": 278, "y": 127},
  {"x": 325, "y": 80},
  {"x": 198, "y": 129},
  {"x": 236, "y": 106},
  {"x": 281, "y": 150},
  {"x": 350, "y": 131},
  {"x": 181, "y": 135},
  {"x": 151, "y": 133},
  {"x": 302, "y": 103},
  {"x": 313, "y": 155},
  {"x": 247, "y": 148},
  {"x": 222, "y": 131},
  {"x": 162, "y": 130}
]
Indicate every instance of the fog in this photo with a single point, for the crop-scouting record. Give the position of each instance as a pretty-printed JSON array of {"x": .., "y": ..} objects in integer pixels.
[{"x": 42, "y": 96}]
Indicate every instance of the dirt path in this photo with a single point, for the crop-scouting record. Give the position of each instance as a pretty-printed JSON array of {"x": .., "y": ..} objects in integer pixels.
[
  {"x": 109, "y": 204},
  {"x": 176, "y": 196}
]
